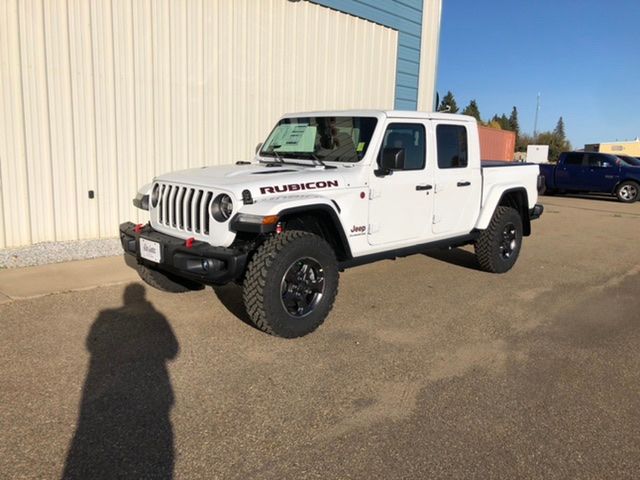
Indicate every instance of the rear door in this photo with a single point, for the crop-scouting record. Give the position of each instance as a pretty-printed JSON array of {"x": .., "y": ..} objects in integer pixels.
[
  {"x": 458, "y": 179},
  {"x": 571, "y": 174}
]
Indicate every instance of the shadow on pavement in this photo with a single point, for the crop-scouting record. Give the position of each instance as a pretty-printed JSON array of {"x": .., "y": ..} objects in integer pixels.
[
  {"x": 124, "y": 429},
  {"x": 230, "y": 296},
  {"x": 456, "y": 256},
  {"x": 595, "y": 196}
]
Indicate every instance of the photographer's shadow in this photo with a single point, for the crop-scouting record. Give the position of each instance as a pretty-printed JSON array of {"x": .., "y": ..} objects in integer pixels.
[{"x": 124, "y": 429}]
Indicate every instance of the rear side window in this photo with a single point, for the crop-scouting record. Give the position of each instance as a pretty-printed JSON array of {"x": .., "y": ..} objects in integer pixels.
[
  {"x": 452, "y": 146},
  {"x": 573, "y": 159}
]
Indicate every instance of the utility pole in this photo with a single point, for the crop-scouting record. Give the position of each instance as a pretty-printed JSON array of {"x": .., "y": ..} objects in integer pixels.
[{"x": 535, "y": 122}]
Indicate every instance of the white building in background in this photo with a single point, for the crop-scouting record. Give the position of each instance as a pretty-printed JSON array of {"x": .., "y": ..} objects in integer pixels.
[
  {"x": 97, "y": 97},
  {"x": 537, "y": 153}
]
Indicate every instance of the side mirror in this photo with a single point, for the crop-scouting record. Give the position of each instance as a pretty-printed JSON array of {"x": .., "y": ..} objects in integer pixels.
[
  {"x": 390, "y": 160},
  {"x": 258, "y": 147}
]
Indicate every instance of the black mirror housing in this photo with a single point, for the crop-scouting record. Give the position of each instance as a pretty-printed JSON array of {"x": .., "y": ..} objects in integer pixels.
[{"x": 392, "y": 159}]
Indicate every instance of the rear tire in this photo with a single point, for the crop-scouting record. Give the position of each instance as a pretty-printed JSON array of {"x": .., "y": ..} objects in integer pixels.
[
  {"x": 291, "y": 284},
  {"x": 166, "y": 282},
  {"x": 628, "y": 192},
  {"x": 498, "y": 247}
]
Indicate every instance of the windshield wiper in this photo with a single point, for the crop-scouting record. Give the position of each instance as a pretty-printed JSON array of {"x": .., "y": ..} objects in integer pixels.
[
  {"x": 276, "y": 156},
  {"x": 313, "y": 157}
]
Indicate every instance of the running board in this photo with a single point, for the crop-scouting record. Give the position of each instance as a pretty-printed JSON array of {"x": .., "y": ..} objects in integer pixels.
[{"x": 412, "y": 250}]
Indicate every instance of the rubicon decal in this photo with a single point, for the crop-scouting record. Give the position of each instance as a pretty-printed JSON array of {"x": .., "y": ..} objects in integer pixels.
[{"x": 295, "y": 187}]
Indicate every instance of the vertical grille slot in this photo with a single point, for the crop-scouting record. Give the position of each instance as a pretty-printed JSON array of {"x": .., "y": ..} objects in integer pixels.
[
  {"x": 184, "y": 208},
  {"x": 198, "y": 216},
  {"x": 180, "y": 208},
  {"x": 205, "y": 206},
  {"x": 172, "y": 206}
]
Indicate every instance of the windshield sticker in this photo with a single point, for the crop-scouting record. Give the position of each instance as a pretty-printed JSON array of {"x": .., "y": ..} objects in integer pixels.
[
  {"x": 296, "y": 137},
  {"x": 360, "y": 147}
]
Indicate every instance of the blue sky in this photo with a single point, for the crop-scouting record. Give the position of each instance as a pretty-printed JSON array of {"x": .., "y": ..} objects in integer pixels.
[{"x": 582, "y": 56}]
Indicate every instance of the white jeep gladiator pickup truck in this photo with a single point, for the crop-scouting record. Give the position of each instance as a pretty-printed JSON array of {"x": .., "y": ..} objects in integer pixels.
[{"x": 328, "y": 191}]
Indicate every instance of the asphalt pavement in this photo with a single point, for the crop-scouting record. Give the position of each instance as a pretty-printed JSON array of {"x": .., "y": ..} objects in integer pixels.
[{"x": 426, "y": 368}]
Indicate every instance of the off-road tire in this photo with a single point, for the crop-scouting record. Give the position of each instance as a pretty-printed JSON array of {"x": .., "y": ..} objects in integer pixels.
[
  {"x": 629, "y": 187},
  {"x": 261, "y": 291},
  {"x": 489, "y": 246},
  {"x": 166, "y": 282}
]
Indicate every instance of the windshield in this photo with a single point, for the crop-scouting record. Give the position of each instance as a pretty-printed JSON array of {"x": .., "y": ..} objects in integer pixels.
[
  {"x": 630, "y": 160},
  {"x": 331, "y": 139}
]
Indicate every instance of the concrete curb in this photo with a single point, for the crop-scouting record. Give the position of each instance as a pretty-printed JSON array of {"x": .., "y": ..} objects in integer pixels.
[{"x": 31, "y": 282}]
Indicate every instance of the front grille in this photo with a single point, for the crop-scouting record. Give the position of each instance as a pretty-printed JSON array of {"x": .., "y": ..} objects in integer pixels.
[{"x": 184, "y": 208}]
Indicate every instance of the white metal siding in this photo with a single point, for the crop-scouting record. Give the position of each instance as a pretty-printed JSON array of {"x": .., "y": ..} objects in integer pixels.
[{"x": 104, "y": 94}]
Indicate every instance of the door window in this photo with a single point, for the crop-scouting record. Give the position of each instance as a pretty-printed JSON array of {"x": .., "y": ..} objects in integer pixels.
[
  {"x": 573, "y": 159},
  {"x": 403, "y": 147},
  {"x": 601, "y": 161},
  {"x": 452, "y": 146}
]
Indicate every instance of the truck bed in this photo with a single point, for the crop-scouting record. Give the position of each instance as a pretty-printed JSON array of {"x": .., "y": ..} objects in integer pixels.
[{"x": 497, "y": 173}]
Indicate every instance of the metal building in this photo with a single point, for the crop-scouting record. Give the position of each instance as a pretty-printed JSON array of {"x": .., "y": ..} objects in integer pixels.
[
  {"x": 627, "y": 147},
  {"x": 98, "y": 96}
]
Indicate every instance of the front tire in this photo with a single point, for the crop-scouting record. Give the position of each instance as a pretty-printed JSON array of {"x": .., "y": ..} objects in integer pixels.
[
  {"x": 291, "y": 284},
  {"x": 628, "y": 192},
  {"x": 498, "y": 247}
]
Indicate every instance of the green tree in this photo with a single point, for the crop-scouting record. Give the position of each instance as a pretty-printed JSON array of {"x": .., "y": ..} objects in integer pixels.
[
  {"x": 556, "y": 143},
  {"x": 472, "y": 110},
  {"x": 559, "y": 130},
  {"x": 514, "y": 125},
  {"x": 504, "y": 122},
  {"x": 522, "y": 141},
  {"x": 448, "y": 101}
]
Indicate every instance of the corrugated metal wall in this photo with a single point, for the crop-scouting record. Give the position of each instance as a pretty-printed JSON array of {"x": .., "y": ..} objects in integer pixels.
[
  {"x": 102, "y": 95},
  {"x": 406, "y": 17}
]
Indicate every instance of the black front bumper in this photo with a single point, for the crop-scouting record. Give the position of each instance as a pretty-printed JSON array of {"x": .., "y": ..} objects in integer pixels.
[{"x": 201, "y": 262}]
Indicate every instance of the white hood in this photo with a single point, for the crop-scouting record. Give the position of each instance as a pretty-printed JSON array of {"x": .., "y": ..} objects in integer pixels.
[{"x": 259, "y": 179}]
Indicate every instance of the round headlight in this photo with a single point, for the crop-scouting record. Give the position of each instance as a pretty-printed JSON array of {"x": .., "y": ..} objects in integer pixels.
[
  {"x": 222, "y": 207},
  {"x": 155, "y": 195}
]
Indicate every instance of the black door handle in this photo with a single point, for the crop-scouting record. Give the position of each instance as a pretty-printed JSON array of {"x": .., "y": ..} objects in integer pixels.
[
  {"x": 424, "y": 187},
  {"x": 464, "y": 184}
]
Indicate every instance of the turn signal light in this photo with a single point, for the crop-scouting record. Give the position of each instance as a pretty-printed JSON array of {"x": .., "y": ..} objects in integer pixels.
[{"x": 269, "y": 219}]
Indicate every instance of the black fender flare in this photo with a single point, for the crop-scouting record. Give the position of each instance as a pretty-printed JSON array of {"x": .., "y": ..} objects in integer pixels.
[{"x": 330, "y": 214}]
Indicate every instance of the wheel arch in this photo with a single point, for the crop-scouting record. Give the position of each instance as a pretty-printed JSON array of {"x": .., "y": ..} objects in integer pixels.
[
  {"x": 516, "y": 198},
  {"x": 321, "y": 220}
]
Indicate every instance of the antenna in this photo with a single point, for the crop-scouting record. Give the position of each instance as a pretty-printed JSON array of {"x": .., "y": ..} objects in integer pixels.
[{"x": 535, "y": 122}]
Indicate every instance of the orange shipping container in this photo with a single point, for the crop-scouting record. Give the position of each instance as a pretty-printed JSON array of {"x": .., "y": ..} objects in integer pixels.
[{"x": 496, "y": 144}]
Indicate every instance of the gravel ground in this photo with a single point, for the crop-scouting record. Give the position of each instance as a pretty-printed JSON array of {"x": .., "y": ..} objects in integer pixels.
[{"x": 56, "y": 252}]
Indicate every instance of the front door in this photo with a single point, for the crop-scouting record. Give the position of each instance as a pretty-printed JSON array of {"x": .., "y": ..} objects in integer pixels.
[
  {"x": 401, "y": 199},
  {"x": 602, "y": 173}
]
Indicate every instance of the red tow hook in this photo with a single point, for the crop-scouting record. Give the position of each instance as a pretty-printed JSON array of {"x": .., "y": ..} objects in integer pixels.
[
  {"x": 138, "y": 228},
  {"x": 189, "y": 242}
]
